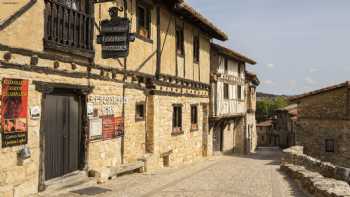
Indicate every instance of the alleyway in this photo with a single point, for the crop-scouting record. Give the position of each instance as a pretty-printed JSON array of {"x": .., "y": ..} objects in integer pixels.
[{"x": 257, "y": 175}]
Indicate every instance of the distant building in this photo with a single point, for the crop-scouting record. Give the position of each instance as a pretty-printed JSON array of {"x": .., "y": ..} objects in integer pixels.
[
  {"x": 284, "y": 125},
  {"x": 265, "y": 131},
  {"x": 232, "y": 103},
  {"x": 324, "y": 123}
]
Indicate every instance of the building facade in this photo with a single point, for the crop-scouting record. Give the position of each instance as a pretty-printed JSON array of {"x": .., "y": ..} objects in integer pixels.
[
  {"x": 323, "y": 124},
  {"x": 285, "y": 125},
  {"x": 232, "y": 104},
  {"x": 65, "y": 109}
]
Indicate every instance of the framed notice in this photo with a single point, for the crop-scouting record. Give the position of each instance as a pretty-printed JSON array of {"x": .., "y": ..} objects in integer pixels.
[
  {"x": 108, "y": 127},
  {"x": 14, "y": 109},
  {"x": 95, "y": 128}
]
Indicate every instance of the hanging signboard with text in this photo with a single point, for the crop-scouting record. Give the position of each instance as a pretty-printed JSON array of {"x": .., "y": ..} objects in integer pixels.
[
  {"x": 115, "y": 37},
  {"x": 14, "y": 108}
]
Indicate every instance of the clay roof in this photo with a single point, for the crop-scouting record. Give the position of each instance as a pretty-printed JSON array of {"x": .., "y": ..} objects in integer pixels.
[
  {"x": 185, "y": 10},
  {"x": 326, "y": 89},
  {"x": 265, "y": 123},
  {"x": 231, "y": 53}
]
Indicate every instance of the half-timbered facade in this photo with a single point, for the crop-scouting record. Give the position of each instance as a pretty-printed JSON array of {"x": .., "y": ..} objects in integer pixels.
[
  {"x": 232, "y": 100},
  {"x": 81, "y": 113}
]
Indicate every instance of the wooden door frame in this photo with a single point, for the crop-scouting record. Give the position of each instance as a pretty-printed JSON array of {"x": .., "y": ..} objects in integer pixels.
[{"x": 46, "y": 88}]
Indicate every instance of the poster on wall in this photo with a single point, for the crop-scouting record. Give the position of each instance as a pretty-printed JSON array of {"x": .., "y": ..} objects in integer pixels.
[
  {"x": 119, "y": 126},
  {"x": 108, "y": 127},
  {"x": 95, "y": 128},
  {"x": 14, "y": 108}
]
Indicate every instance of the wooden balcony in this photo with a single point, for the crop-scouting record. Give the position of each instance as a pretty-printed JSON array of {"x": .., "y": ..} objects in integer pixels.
[{"x": 68, "y": 30}]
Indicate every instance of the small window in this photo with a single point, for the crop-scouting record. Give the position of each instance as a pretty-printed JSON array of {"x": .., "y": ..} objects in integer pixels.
[
  {"x": 239, "y": 92},
  {"x": 226, "y": 65},
  {"x": 143, "y": 14},
  {"x": 140, "y": 112},
  {"x": 180, "y": 40},
  {"x": 239, "y": 69},
  {"x": 177, "y": 119},
  {"x": 196, "y": 48},
  {"x": 194, "y": 117},
  {"x": 226, "y": 91},
  {"x": 330, "y": 146}
]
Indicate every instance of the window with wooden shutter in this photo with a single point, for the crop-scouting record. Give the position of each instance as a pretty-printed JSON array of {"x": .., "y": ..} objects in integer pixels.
[
  {"x": 194, "y": 117},
  {"x": 143, "y": 15},
  {"x": 330, "y": 146},
  {"x": 180, "y": 40},
  {"x": 239, "y": 92},
  {"x": 177, "y": 119},
  {"x": 196, "y": 48},
  {"x": 226, "y": 91}
]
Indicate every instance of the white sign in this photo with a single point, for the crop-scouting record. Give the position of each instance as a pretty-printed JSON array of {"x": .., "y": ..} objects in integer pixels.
[
  {"x": 95, "y": 128},
  {"x": 35, "y": 112},
  {"x": 90, "y": 110}
]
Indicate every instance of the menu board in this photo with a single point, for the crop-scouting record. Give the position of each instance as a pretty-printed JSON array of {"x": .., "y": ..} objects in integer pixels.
[{"x": 14, "y": 108}]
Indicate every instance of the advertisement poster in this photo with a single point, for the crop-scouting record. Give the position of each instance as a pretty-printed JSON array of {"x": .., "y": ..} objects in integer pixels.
[
  {"x": 14, "y": 108},
  {"x": 119, "y": 126},
  {"x": 108, "y": 127},
  {"x": 95, "y": 128}
]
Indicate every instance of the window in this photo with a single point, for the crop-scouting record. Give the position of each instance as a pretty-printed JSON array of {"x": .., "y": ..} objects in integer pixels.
[
  {"x": 177, "y": 119},
  {"x": 239, "y": 92},
  {"x": 239, "y": 70},
  {"x": 226, "y": 65},
  {"x": 226, "y": 91},
  {"x": 69, "y": 26},
  {"x": 196, "y": 48},
  {"x": 180, "y": 40},
  {"x": 194, "y": 117},
  {"x": 330, "y": 146},
  {"x": 140, "y": 112},
  {"x": 143, "y": 14}
]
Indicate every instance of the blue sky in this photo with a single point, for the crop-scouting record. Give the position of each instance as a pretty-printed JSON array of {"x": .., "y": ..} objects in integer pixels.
[{"x": 300, "y": 45}]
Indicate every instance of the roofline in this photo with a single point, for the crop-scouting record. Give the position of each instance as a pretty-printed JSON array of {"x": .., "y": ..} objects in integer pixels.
[
  {"x": 319, "y": 91},
  {"x": 233, "y": 54},
  {"x": 189, "y": 12},
  {"x": 254, "y": 77}
]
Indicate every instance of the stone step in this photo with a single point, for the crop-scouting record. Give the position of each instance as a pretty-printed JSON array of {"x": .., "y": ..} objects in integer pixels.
[{"x": 66, "y": 183}]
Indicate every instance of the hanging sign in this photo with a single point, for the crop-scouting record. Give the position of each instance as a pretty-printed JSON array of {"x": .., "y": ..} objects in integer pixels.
[
  {"x": 115, "y": 37},
  {"x": 14, "y": 108}
]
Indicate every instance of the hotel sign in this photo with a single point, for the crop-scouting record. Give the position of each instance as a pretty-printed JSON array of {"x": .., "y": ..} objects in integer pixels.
[{"x": 115, "y": 37}]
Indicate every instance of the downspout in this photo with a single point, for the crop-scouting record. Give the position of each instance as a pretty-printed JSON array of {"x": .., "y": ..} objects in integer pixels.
[{"x": 159, "y": 53}]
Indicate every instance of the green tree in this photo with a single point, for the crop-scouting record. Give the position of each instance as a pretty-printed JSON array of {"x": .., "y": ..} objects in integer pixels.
[{"x": 266, "y": 108}]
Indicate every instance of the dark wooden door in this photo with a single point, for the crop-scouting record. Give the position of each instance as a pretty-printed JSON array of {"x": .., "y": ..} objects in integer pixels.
[
  {"x": 217, "y": 139},
  {"x": 62, "y": 131}
]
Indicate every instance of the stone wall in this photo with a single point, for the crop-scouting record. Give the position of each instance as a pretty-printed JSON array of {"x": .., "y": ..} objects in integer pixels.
[
  {"x": 312, "y": 134},
  {"x": 316, "y": 177}
]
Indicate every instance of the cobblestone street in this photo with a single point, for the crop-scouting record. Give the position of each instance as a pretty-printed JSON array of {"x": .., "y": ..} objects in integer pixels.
[{"x": 251, "y": 176}]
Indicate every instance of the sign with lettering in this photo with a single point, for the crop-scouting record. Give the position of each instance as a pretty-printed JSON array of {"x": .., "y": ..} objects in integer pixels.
[
  {"x": 107, "y": 100},
  {"x": 119, "y": 126},
  {"x": 108, "y": 127},
  {"x": 14, "y": 109},
  {"x": 95, "y": 128},
  {"x": 114, "y": 37}
]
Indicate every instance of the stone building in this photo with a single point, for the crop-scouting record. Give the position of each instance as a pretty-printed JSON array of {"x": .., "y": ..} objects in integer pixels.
[
  {"x": 285, "y": 125},
  {"x": 323, "y": 123},
  {"x": 232, "y": 104},
  {"x": 67, "y": 111},
  {"x": 265, "y": 133}
]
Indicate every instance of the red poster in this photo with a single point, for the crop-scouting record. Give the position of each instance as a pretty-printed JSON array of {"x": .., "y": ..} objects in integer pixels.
[
  {"x": 14, "y": 108},
  {"x": 119, "y": 126},
  {"x": 108, "y": 127}
]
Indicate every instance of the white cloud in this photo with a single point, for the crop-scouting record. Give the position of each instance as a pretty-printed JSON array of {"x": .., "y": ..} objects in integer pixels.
[
  {"x": 268, "y": 82},
  {"x": 310, "y": 81},
  {"x": 292, "y": 83},
  {"x": 313, "y": 70},
  {"x": 271, "y": 66}
]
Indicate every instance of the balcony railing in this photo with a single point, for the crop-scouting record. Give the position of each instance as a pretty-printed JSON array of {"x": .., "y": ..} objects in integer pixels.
[{"x": 68, "y": 30}]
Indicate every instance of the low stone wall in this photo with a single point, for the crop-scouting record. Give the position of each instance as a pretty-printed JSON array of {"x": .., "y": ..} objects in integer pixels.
[
  {"x": 295, "y": 156},
  {"x": 318, "y": 178}
]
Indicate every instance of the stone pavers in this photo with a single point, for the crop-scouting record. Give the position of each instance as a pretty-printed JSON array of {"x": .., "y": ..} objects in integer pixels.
[{"x": 257, "y": 175}]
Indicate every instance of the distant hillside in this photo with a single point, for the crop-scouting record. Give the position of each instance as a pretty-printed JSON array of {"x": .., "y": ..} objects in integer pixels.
[{"x": 262, "y": 96}]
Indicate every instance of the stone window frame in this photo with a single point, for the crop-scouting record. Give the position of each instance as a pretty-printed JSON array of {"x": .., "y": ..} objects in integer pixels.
[
  {"x": 329, "y": 145},
  {"x": 194, "y": 126},
  {"x": 137, "y": 116},
  {"x": 177, "y": 122}
]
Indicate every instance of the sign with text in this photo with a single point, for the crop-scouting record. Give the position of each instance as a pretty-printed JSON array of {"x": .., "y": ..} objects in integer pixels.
[
  {"x": 114, "y": 37},
  {"x": 108, "y": 127},
  {"x": 119, "y": 126},
  {"x": 14, "y": 108},
  {"x": 95, "y": 128}
]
